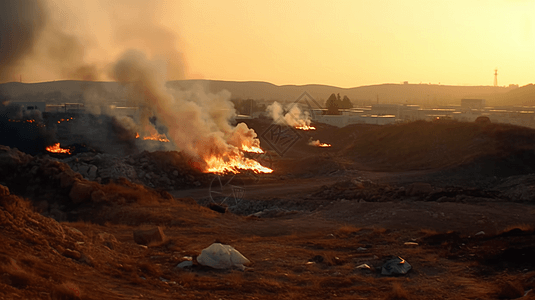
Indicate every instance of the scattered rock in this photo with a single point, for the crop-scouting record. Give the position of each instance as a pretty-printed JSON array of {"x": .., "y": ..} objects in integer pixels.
[
  {"x": 149, "y": 236},
  {"x": 480, "y": 233},
  {"x": 92, "y": 173},
  {"x": 81, "y": 192},
  {"x": 185, "y": 264},
  {"x": 72, "y": 254},
  {"x": 219, "y": 256},
  {"x": 98, "y": 196}
]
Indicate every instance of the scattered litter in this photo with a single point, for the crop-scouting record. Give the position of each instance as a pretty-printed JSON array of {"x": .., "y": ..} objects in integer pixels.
[
  {"x": 310, "y": 263},
  {"x": 480, "y": 233},
  {"x": 361, "y": 249},
  {"x": 396, "y": 266},
  {"x": 219, "y": 256},
  {"x": 411, "y": 244},
  {"x": 363, "y": 266},
  {"x": 187, "y": 258},
  {"x": 185, "y": 264},
  {"x": 163, "y": 279}
]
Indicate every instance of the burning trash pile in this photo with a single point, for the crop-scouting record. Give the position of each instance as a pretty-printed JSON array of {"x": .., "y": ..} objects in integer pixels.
[{"x": 198, "y": 124}]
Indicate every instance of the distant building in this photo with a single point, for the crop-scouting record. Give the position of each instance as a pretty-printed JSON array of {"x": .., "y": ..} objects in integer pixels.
[
  {"x": 473, "y": 103},
  {"x": 40, "y": 106}
]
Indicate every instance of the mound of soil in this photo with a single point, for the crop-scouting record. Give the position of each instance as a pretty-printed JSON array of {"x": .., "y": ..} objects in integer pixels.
[{"x": 496, "y": 148}]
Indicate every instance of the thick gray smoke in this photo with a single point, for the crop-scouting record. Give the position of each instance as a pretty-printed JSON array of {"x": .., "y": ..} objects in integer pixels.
[
  {"x": 21, "y": 23},
  {"x": 31, "y": 41},
  {"x": 59, "y": 39}
]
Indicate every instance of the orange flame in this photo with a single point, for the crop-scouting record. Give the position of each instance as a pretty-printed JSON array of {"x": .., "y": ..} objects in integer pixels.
[
  {"x": 57, "y": 149},
  {"x": 305, "y": 127},
  {"x": 155, "y": 137},
  {"x": 234, "y": 165},
  {"x": 252, "y": 149},
  {"x": 317, "y": 143}
]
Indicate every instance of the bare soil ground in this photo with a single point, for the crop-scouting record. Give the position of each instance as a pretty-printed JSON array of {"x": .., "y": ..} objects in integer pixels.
[{"x": 454, "y": 200}]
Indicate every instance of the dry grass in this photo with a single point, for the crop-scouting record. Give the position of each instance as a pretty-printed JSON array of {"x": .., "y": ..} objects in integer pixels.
[
  {"x": 398, "y": 293},
  {"x": 347, "y": 230},
  {"x": 66, "y": 291}
]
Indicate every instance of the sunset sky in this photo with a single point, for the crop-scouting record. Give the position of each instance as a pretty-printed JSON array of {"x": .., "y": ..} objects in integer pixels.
[
  {"x": 343, "y": 43},
  {"x": 353, "y": 43}
]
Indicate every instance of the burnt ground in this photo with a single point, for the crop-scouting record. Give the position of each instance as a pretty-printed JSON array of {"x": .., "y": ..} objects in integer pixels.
[{"x": 455, "y": 200}]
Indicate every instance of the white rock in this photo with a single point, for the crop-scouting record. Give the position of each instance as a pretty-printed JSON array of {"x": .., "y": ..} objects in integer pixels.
[{"x": 219, "y": 256}]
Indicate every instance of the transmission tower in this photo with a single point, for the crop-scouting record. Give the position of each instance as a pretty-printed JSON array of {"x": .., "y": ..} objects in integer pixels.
[{"x": 495, "y": 77}]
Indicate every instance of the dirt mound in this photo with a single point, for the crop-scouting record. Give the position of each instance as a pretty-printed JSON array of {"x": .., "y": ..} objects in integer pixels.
[
  {"x": 431, "y": 145},
  {"x": 63, "y": 194}
]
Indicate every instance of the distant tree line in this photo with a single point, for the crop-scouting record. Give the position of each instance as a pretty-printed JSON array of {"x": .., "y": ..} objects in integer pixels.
[{"x": 334, "y": 103}]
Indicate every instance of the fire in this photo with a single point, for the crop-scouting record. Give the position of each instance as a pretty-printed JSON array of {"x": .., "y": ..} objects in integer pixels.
[
  {"x": 65, "y": 120},
  {"x": 251, "y": 149},
  {"x": 305, "y": 127},
  {"x": 155, "y": 137},
  {"x": 317, "y": 143},
  {"x": 57, "y": 149},
  {"x": 235, "y": 164}
]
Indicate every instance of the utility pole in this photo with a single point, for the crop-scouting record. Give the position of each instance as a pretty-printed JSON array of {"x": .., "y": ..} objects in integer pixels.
[{"x": 496, "y": 77}]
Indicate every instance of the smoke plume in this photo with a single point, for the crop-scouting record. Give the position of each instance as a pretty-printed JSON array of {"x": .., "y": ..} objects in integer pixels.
[
  {"x": 21, "y": 22},
  {"x": 293, "y": 117},
  {"x": 44, "y": 40},
  {"x": 198, "y": 123}
]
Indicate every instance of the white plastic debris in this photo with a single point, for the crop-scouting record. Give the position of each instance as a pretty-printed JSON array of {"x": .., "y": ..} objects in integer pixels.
[
  {"x": 219, "y": 256},
  {"x": 480, "y": 233},
  {"x": 411, "y": 244},
  {"x": 363, "y": 266}
]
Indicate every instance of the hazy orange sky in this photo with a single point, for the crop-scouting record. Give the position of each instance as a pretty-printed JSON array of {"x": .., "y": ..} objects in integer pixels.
[{"x": 343, "y": 43}]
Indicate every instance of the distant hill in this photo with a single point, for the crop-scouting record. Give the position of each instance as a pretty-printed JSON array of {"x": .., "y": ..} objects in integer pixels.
[
  {"x": 521, "y": 96},
  {"x": 423, "y": 94}
]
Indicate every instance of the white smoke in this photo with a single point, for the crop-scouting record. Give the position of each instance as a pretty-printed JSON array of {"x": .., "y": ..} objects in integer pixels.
[
  {"x": 293, "y": 117},
  {"x": 198, "y": 123}
]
